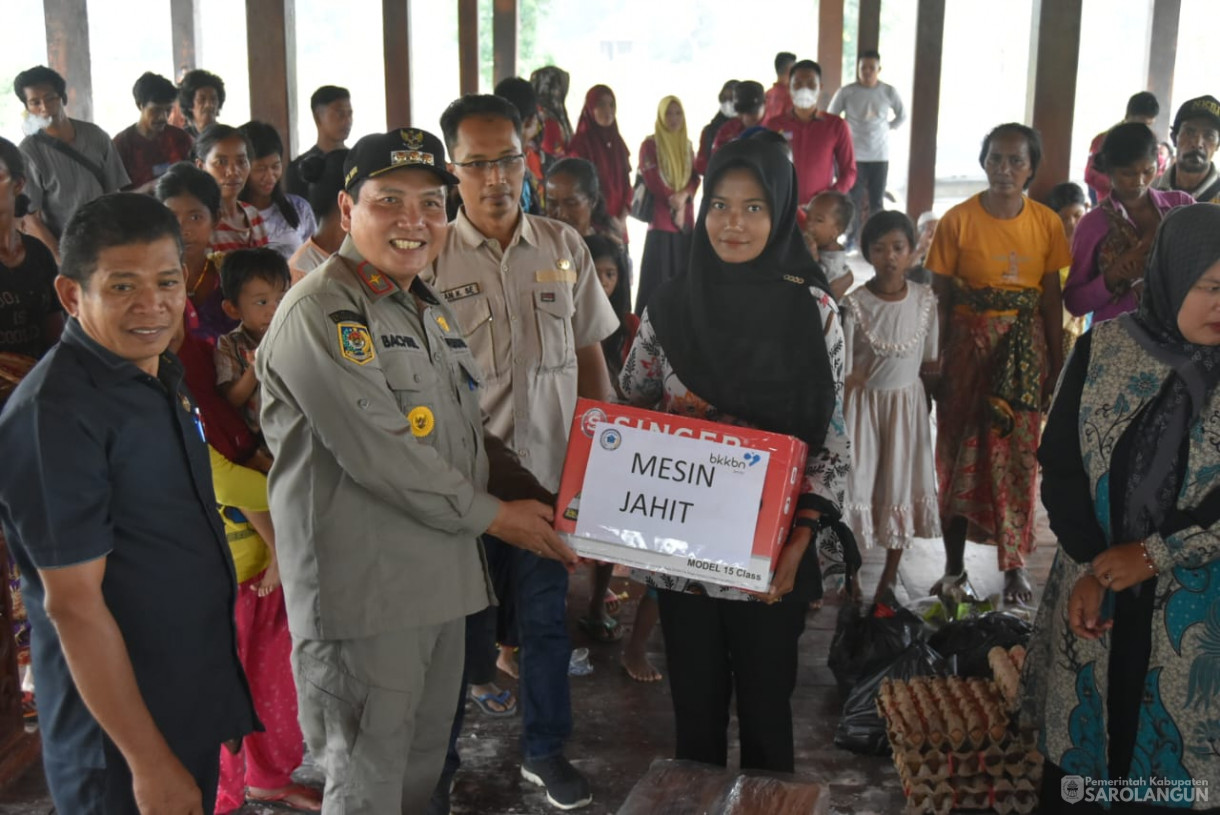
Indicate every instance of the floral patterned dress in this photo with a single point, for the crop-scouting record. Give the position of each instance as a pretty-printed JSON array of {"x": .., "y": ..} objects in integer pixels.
[
  {"x": 1069, "y": 682},
  {"x": 648, "y": 381}
]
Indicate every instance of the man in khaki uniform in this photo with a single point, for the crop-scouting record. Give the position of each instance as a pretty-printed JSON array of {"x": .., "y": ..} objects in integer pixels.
[
  {"x": 531, "y": 308},
  {"x": 378, "y": 491}
]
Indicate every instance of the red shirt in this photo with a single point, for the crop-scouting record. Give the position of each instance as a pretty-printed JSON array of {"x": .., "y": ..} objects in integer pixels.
[
  {"x": 821, "y": 151},
  {"x": 553, "y": 144},
  {"x": 779, "y": 101},
  {"x": 146, "y": 159},
  {"x": 729, "y": 131},
  {"x": 662, "y": 217}
]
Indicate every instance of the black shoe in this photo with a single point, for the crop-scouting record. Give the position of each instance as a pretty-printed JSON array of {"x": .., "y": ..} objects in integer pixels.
[{"x": 565, "y": 787}]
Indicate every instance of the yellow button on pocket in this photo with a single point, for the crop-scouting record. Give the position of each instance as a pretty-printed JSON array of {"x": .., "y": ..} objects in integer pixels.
[{"x": 422, "y": 421}]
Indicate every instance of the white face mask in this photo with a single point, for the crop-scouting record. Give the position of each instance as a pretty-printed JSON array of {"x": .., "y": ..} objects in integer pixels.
[
  {"x": 727, "y": 108},
  {"x": 805, "y": 98},
  {"x": 32, "y": 123}
]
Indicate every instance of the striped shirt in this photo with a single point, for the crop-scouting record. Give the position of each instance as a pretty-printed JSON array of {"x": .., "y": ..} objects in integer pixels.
[{"x": 247, "y": 231}]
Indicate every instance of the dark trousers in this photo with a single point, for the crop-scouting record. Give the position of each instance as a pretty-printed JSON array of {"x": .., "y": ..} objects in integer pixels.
[
  {"x": 869, "y": 188},
  {"x": 107, "y": 790},
  {"x": 539, "y": 588},
  {"x": 715, "y": 648}
]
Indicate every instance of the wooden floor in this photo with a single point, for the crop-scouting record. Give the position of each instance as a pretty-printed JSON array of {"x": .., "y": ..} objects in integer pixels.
[{"x": 621, "y": 726}]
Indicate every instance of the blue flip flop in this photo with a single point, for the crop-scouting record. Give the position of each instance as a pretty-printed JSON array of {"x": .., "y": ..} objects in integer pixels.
[{"x": 503, "y": 698}]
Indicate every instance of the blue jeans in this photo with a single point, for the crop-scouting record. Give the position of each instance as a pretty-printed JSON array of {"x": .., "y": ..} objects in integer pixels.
[
  {"x": 542, "y": 625},
  {"x": 541, "y": 589}
]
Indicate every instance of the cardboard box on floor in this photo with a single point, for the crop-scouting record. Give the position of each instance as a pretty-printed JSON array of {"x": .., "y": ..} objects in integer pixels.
[
  {"x": 679, "y": 496},
  {"x": 689, "y": 788}
]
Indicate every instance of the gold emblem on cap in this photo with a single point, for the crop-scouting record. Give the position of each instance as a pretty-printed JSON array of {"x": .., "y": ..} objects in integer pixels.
[
  {"x": 564, "y": 264},
  {"x": 412, "y": 138},
  {"x": 410, "y": 157}
]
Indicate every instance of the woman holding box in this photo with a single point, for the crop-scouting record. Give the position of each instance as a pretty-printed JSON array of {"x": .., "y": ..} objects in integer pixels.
[{"x": 750, "y": 336}]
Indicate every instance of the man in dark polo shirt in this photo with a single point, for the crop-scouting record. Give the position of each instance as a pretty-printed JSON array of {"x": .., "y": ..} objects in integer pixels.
[{"x": 106, "y": 498}]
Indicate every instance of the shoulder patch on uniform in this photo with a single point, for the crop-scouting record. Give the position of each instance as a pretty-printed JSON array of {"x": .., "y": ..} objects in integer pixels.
[
  {"x": 376, "y": 282},
  {"x": 355, "y": 343},
  {"x": 461, "y": 292},
  {"x": 345, "y": 316}
]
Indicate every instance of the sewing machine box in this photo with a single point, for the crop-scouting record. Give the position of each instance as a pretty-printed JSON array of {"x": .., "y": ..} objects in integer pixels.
[{"x": 679, "y": 496}]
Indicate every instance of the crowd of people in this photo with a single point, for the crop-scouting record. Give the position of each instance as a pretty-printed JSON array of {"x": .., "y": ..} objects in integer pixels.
[{"x": 309, "y": 502}]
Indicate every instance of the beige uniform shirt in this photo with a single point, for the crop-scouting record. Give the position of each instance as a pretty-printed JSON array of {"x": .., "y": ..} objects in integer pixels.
[
  {"x": 524, "y": 311},
  {"x": 370, "y": 406}
]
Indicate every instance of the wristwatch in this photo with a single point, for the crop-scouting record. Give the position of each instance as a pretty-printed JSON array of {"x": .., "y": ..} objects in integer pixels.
[{"x": 814, "y": 525}]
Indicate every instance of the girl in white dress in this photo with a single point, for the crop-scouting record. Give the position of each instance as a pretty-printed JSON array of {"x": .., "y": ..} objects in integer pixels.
[{"x": 890, "y": 327}]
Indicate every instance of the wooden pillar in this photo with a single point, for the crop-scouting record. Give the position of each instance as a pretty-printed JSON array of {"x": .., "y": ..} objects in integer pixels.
[
  {"x": 395, "y": 26},
  {"x": 504, "y": 39},
  {"x": 468, "y": 45},
  {"x": 925, "y": 106},
  {"x": 830, "y": 45},
  {"x": 271, "y": 53},
  {"x": 1056, "y": 27},
  {"x": 870, "y": 26},
  {"x": 68, "y": 52},
  {"x": 185, "y": 28},
  {"x": 1162, "y": 54}
]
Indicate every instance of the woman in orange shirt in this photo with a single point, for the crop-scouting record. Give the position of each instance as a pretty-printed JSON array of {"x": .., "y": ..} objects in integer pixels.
[{"x": 996, "y": 259}]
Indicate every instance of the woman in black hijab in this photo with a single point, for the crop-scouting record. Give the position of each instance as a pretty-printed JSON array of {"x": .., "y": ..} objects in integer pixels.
[
  {"x": 749, "y": 336},
  {"x": 1125, "y": 657}
]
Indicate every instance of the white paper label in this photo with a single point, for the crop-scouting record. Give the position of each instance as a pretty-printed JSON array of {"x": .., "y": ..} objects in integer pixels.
[{"x": 672, "y": 495}]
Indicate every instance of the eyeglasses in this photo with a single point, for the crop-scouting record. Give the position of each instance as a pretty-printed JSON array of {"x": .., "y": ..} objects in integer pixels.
[{"x": 503, "y": 164}]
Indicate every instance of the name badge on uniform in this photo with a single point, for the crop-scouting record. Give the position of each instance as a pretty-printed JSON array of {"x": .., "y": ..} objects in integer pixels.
[
  {"x": 461, "y": 292},
  {"x": 562, "y": 273},
  {"x": 355, "y": 343},
  {"x": 398, "y": 341}
]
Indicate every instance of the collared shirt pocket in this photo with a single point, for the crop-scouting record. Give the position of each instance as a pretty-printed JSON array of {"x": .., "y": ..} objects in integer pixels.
[
  {"x": 414, "y": 382},
  {"x": 553, "y": 309},
  {"x": 475, "y": 321}
]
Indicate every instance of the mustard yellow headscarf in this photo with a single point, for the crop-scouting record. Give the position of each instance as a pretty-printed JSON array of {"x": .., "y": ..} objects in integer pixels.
[{"x": 674, "y": 155}]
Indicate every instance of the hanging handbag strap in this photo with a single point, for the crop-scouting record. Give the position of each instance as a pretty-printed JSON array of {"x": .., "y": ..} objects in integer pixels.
[{"x": 74, "y": 154}]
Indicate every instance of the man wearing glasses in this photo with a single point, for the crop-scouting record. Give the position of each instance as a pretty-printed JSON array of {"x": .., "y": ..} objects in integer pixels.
[{"x": 527, "y": 297}]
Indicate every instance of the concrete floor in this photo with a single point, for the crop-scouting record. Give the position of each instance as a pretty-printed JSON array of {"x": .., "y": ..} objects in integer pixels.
[{"x": 621, "y": 726}]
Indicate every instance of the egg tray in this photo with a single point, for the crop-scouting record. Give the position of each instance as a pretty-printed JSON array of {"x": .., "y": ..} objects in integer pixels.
[{"x": 955, "y": 741}]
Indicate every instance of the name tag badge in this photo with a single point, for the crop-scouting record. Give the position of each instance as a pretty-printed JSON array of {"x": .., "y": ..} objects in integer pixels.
[
  {"x": 398, "y": 341},
  {"x": 563, "y": 274},
  {"x": 461, "y": 292}
]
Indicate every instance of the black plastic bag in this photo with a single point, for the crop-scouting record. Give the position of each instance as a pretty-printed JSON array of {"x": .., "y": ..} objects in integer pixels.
[
  {"x": 970, "y": 640},
  {"x": 864, "y": 643},
  {"x": 861, "y": 728}
]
